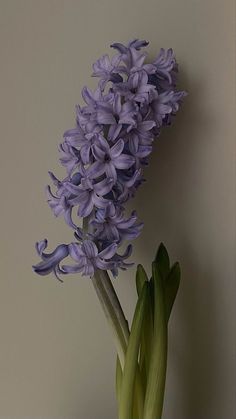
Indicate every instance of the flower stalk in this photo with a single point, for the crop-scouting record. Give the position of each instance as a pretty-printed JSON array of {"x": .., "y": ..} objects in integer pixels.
[{"x": 113, "y": 312}]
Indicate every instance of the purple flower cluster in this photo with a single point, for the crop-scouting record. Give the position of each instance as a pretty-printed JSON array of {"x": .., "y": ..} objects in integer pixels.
[{"x": 104, "y": 154}]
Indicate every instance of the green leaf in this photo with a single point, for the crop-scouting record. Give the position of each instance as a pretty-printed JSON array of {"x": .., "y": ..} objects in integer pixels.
[
  {"x": 171, "y": 288},
  {"x": 163, "y": 261},
  {"x": 147, "y": 329},
  {"x": 157, "y": 372},
  {"x": 138, "y": 390},
  {"x": 131, "y": 359},
  {"x": 151, "y": 284},
  {"x": 141, "y": 277},
  {"x": 146, "y": 337},
  {"x": 119, "y": 375}
]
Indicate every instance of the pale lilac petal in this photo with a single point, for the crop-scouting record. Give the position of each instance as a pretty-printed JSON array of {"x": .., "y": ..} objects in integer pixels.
[
  {"x": 88, "y": 95},
  {"x": 95, "y": 170},
  {"x": 56, "y": 182},
  {"x": 124, "y": 161},
  {"x": 127, "y": 253},
  {"x": 104, "y": 265},
  {"x": 68, "y": 218},
  {"x": 136, "y": 176},
  {"x": 81, "y": 198},
  {"x": 41, "y": 246},
  {"x": 105, "y": 118},
  {"x": 133, "y": 144},
  {"x": 88, "y": 270},
  {"x": 111, "y": 232},
  {"x": 74, "y": 189},
  {"x": 89, "y": 248},
  {"x": 117, "y": 104},
  {"x": 98, "y": 153},
  {"x": 111, "y": 171},
  {"x": 109, "y": 252},
  {"x": 144, "y": 151},
  {"x": 99, "y": 201},
  {"x": 85, "y": 153},
  {"x": 103, "y": 187},
  {"x": 72, "y": 269},
  {"x": 114, "y": 131},
  {"x": 86, "y": 208},
  {"x": 147, "y": 125},
  {"x": 128, "y": 223},
  {"x": 76, "y": 251},
  {"x": 117, "y": 149}
]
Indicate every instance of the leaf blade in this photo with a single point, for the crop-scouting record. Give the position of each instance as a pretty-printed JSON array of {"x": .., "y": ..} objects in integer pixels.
[
  {"x": 171, "y": 288},
  {"x": 131, "y": 359},
  {"x": 141, "y": 278},
  {"x": 157, "y": 372}
]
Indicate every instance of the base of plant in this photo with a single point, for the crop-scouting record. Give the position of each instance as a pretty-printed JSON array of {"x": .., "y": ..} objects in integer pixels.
[{"x": 142, "y": 351}]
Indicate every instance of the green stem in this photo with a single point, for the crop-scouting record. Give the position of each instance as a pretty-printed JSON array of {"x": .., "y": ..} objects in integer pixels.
[
  {"x": 115, "y": 303},
  {"x": 111, "y": 315}
]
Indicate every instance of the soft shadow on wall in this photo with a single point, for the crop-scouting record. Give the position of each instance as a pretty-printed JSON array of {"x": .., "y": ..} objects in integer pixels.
[{"x": 167, "y": 206}]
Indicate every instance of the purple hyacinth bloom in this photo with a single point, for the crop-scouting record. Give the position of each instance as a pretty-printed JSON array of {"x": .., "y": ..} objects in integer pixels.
[
  {"x": 135, "y": 43},
  {"x": 166, "y": 66},
  {"x": 109, "y": 159},
  {"x": 85, "y": 141},
  {"x": 50, "y": 261},
  {"x": 137, "y": 88},
  {"x": 59, "y": 203},
  {"x": 89, "y": 194},
  {"x": 89, "y": 259},
  {"x": 108, "y": 70},
  {"x": 141, "y": 138},
  {"x": 119, "y": 261},
  {"x": 69, "y": 157},
  {"x": 132, "y": 57},
  {"x": 104, "y": 155},
  {"x": 116, "y": 115},
  {"x": 109, "y": 224},
  {"x": 165, "y": 104}
]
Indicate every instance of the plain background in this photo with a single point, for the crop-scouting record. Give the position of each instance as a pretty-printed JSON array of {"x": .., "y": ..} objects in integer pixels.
[{"x": 56, "y": 353}]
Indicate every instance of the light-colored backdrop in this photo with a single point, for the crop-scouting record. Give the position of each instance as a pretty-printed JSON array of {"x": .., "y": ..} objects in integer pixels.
[{"x": 56, "y": 354}]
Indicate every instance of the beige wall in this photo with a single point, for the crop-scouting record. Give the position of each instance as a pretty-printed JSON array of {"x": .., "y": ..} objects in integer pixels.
[{"x": 56, "y": 353}]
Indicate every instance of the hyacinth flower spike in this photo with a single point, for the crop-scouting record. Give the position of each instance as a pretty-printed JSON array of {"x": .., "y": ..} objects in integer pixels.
[{"x": 104, "y": 156}]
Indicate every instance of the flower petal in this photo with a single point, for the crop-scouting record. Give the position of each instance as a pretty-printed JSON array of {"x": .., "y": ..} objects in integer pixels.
[
  {"x": 104, "y": 265},
  {"x": 95, "y": 170},
  {"x": 85, "y": 152},
  {"x": 89, "y": 248},
  {"x": 86, "y": 207},
  {"x": 108, "y": 252},
  {"x": 76, "y": 251},
  {"x": 103, "y": 187},
  {"x": 72, "y": 269},
  {"x": 111, "y": 171},
  {"x": 99, "y": 201},
  {"x": 51, "y": 260},
  {"x": 41, "y": 246},
  {"x": 88, "y": 270},
  {"x": 124, "y": 161},
  {"x": 117, "y": 149}
]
